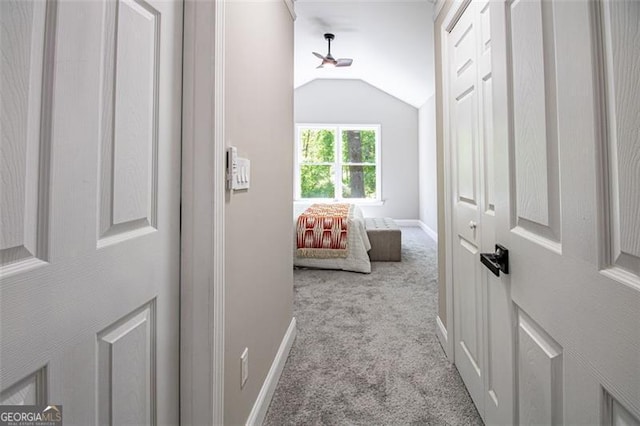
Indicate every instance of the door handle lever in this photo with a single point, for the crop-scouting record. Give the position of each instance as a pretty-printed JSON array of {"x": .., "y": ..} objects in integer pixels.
[{"x": 496, "y": 262}]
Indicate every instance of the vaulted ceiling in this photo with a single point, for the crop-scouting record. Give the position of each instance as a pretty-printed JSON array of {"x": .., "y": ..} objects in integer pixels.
[{"x": 391, "y": 43}]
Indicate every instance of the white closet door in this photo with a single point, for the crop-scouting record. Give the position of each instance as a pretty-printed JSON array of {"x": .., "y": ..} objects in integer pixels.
[{"x": 482, "y": 304}]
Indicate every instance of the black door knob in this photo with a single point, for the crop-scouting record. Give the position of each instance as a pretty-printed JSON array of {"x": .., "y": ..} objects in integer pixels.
[{"x": 497, "y": 261}]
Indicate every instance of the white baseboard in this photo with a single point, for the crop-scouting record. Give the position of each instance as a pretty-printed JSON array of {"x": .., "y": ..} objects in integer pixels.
[
  {"x": 259, "y": 410},
  {"x": 407, "y": 222},
  {"x": 441, "y": 331},
  {"x": 420, "y": 224},
  {"x": 430, "y": 232}
]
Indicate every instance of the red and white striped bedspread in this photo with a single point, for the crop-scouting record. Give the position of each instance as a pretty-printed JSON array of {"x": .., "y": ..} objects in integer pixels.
[
  {"x": 322, "y": 231},
  {"x": 358, "y": 244}
]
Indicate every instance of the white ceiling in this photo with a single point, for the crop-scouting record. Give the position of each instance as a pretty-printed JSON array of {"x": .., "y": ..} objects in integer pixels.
[{"x": 391, "y": 43}]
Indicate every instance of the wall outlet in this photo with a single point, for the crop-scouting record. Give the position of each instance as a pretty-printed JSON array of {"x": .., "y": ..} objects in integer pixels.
[{"x": 244, "y": 367}]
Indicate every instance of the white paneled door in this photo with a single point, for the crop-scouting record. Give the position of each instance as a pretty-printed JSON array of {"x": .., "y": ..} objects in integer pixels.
[
  {"x": 482, "y": 305},
  {"x": 567, "y": 142},
  {"x": 89, "y": 208}
]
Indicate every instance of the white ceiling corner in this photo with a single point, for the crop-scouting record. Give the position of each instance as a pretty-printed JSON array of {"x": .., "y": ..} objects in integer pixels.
[{"x": 390, "y": 41}]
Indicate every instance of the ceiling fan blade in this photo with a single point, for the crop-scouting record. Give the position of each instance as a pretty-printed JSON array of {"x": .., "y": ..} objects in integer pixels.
[
  {"x": 318, "y": 55},
  {"x": 344, "y": 62}
]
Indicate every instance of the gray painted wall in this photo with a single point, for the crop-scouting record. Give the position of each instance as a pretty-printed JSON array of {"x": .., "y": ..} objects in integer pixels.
[
  {"x": 427, "y": 164},
  {"x": 259, "y": 122},
  {"x": 356, "y": 102}
]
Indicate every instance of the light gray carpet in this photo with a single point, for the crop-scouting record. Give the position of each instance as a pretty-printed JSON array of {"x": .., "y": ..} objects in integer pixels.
[{"x": 366, "y": 350}]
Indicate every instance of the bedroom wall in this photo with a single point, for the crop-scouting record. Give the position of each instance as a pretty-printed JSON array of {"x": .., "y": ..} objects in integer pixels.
[
  {"x": 258, "y": 231},
  {"x": 357, "y": 102},
  {"x": 427, "y": 164}
]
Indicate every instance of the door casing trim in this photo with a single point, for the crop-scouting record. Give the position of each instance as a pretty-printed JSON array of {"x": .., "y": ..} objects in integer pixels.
[{"x": 202, "y": 215}]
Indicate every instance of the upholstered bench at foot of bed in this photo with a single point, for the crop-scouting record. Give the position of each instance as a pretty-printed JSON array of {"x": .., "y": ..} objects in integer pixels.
[{"x": 385, "y": 238}]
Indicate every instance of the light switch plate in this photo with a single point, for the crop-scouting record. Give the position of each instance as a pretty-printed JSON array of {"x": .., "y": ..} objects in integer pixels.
[{"x": 243, "y": 176}]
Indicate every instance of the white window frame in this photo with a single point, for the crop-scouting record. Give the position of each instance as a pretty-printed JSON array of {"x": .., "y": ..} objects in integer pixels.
[{"x": 338, "y": 163}]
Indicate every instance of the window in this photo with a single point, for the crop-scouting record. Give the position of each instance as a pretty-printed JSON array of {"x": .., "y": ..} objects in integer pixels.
[{"x": 338, "y": 162}]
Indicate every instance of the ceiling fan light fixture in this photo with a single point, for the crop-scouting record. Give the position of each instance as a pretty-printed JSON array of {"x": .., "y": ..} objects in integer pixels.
[
  {"x": 329, "y": 61},
  {"x": 327, "y": 64}
]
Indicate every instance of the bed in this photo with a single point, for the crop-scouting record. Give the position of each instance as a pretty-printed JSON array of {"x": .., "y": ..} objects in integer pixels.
[{"x": 355, "y": 259}]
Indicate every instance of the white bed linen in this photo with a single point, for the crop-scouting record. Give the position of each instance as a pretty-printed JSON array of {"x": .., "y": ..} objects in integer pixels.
[{"x": 357, "y": 259}]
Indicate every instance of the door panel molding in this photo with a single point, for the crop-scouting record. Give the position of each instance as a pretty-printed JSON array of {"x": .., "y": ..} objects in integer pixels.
[
  {"x": 538, "y": 374},
  {"x": 619, "y": 178},
  {"x": 495, "y": 361},
  {"x": 466, "y": 148},
  {"x": 616, "y": 414},
  {"x": 32, "y": 390},
  {"x": 487, "y": 152},
  {"x": 136, "y": 99},
  {"x": 470, "y": 320},
  {"x": 535, "y": 177},
  {"x": 128, "y": 156},
  {"x": 25, "y": 160},
  {"x": 126, "y": 352}
]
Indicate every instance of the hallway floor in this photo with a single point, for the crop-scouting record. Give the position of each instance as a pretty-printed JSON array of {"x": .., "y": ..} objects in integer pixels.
[{"x": 367, "y": 351}]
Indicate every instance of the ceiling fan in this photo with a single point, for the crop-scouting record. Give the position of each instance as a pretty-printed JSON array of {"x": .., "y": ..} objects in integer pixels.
[{"x": 329, "y": 61}]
